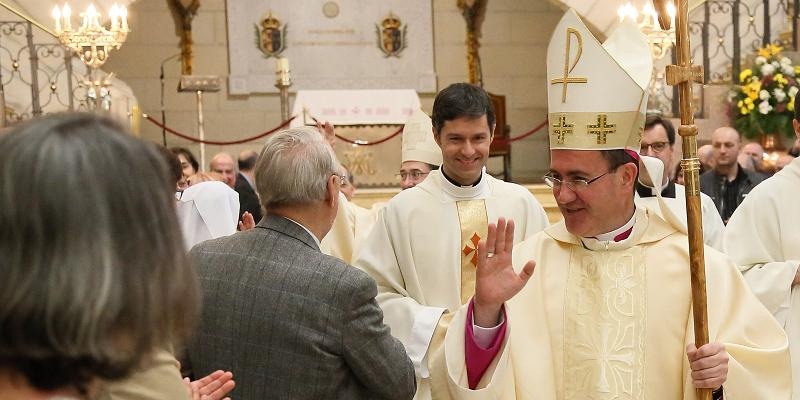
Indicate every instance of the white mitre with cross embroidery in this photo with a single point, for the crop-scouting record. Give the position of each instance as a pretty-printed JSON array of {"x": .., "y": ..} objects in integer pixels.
[
  {"x": 418, "y": 143},
  {"x": 597, "y": 93}
]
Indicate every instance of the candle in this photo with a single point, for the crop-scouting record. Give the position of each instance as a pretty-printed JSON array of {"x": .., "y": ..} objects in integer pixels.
[
  {"x": 67, "y": 13},
  {"x": 649, "y": 19},
  {"x": 57, "y": 17},
  {"x": 114, "y": 14},
  {"x": 282, "y": 69},
  {"x": 123, "y": 12},
  {"x": 282, "y": 65},
  {"x": 91, "y": 16}
]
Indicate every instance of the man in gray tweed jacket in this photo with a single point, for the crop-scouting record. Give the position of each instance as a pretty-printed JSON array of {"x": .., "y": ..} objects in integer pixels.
[{"x": 287, "y": 320}]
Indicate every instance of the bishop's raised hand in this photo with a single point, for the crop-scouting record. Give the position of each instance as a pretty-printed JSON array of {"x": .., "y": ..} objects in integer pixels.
[{"x": 495, "y": 279}]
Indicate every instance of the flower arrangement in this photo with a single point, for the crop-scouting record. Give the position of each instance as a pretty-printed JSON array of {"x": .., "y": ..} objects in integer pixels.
[{"x": 763, "y": 101}]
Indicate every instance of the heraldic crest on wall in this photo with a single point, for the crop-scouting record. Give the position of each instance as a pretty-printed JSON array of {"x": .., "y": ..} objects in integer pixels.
[
  {"x": 270, "y": 36},
  {"x": 391, "y": 34}
]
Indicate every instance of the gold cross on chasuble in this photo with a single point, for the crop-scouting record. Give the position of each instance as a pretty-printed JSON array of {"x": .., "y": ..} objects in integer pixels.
[
  {"x": 474, "y": 226},
  {"x": 601, "y": 129}
]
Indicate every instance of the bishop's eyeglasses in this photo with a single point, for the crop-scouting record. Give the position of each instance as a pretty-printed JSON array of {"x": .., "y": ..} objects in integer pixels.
[{"x": 576, "y": 185}]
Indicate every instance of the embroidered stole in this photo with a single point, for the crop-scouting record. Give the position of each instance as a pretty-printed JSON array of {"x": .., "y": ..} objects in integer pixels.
[{"x": 474, "y": 223}]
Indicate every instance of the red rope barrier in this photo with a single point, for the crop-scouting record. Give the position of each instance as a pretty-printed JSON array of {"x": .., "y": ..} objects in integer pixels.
[
  {"x": 342, "y": 138},
  {"x": 220, "y": 143},
  {"x": 502, "y": 141},
  {"x": 365, "y": 143},
  {"x": 528, "y": 133}
]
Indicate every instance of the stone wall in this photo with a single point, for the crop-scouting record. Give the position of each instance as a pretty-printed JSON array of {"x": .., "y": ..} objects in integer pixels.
[{"x": 514, "y": 45}]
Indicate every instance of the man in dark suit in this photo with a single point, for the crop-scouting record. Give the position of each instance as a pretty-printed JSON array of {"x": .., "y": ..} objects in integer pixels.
[
  {"x": 246, "y": 185},
  {"x": 727, "y": 183},
  {"x": 287, "y": 320}
]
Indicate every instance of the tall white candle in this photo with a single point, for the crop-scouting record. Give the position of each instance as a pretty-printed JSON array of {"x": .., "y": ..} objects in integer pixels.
[
  {"x": 114, "y": 14},
  {"x": 123, "y": 12},
  {"x": 57, "y": 17},
  {"x": 67, "y": 13}
]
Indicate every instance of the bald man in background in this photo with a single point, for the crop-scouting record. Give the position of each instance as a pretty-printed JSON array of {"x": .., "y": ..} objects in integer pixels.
[
  {"x": 727, "y": 183},
  {"x": 223, "y": 164}
]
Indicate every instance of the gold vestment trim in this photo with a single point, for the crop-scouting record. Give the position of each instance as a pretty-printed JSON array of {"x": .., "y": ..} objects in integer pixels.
[
  {"x": 605, "y": 326},
  {"x": 474, "y": 227}
]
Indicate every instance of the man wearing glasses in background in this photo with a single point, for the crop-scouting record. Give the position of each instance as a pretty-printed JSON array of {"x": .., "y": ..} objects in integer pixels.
[
  {"x": 420, "y": 153},
  {"x": 658, "y": 140},
  {"x": 413, "y": 172}
]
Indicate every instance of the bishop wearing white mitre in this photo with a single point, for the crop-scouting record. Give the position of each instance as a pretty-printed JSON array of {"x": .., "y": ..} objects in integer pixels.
[{"x": 607, "y": 311}]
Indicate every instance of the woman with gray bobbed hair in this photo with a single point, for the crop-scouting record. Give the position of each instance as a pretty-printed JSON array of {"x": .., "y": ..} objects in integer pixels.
[{"x": 93, "y": 276}]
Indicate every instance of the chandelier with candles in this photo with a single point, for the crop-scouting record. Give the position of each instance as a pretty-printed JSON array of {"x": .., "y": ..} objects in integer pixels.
[
  {"x": 91, "y": 40},
  {"x": 660, "y": 40}
]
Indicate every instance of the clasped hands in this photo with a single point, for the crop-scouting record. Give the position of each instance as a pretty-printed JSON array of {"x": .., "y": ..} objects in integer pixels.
[{"x": 496, "y": 282}]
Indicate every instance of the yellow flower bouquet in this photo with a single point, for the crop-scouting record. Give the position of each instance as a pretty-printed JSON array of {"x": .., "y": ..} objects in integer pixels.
[{"x": 763, "y": 101}]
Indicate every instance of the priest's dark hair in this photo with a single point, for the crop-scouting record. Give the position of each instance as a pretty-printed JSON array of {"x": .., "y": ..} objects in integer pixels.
[
  {"x": 94, "y": 275},
  {"x": 461, "y": 100},
  {"x": 653, "y": 120}
]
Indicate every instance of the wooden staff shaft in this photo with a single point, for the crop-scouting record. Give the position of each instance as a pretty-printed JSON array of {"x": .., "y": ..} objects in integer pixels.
[{"x": 684, "y": 75}]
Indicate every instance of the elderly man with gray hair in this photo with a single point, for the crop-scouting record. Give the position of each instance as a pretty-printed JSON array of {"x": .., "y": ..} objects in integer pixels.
[{"x": 287, "y": 320}]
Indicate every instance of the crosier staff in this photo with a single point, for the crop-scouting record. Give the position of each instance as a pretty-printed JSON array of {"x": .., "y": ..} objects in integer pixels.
[{"x": 684, "y": 75}]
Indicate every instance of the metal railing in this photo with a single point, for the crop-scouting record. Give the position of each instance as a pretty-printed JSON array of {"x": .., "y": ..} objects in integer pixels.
[
  {"x": 725, "y": 33},
  {"x": 35, "y": 78},
  {"x": 728, "y": 31}
]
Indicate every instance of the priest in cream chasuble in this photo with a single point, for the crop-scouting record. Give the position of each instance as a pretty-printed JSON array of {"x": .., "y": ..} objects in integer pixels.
[
  {"x": 421, "y": 251},
  {"x": 763, "y": 239},
  {"x": 598, "y": 306}
]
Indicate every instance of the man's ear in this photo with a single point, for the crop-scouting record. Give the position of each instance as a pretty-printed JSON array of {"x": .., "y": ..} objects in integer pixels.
[
  {"x": 629, "y": 172},
  {"x": 332, "y": 190},
  {"x": 436, "y": 137},
  {"x": 491, "y": 131}
]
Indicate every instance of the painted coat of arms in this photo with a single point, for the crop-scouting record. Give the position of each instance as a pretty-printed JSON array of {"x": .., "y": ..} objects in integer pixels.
[
  {"x": 391, "y": 34},
  {"x": 271, "y": 36}
]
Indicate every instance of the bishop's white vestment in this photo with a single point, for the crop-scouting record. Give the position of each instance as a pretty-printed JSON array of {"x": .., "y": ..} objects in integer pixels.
[
  {"x": 611, "y": 320},
  {"x": 763, "y": 239},
  {"x": 421, "y": 253}
]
